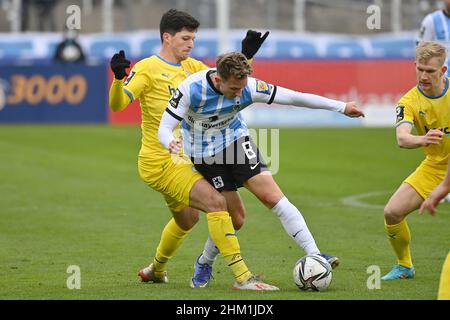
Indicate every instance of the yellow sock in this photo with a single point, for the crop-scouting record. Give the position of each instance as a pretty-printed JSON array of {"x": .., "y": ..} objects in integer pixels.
[
  {"x": 171, "y": 238},
  {"x": 444, "y": 286},
  {"x": 224, "y": 236},
  {"x": 400, "y": 237}
]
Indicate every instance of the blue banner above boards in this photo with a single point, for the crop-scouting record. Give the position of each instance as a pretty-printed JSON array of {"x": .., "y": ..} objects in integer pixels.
[
  {"x": 100, "y": 47},
  {"x": 53, "y": 94}
]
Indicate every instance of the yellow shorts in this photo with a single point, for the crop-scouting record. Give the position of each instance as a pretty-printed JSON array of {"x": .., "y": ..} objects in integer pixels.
[
  {"x": 173, "y": 177},
  {"x": 426, "y": 177}
]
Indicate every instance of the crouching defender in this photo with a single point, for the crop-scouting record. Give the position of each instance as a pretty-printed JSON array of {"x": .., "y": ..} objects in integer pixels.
[{"x": 217, "y": 140}]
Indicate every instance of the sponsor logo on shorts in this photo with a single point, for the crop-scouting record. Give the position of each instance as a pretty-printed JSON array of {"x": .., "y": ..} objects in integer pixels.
[{"x": 254, "y": 166}]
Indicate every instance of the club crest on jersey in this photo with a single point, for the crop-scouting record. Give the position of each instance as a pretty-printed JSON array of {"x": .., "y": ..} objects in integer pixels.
[
  {"x": 218, "y": 182},
  {"x": 400, "y": 113},
  {"x": 262, "y": 87},
  {"x": 176, "y": 97}
]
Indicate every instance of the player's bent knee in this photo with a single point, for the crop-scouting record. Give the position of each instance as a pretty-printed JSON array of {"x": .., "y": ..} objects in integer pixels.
[{"x": 391, "y": 215}]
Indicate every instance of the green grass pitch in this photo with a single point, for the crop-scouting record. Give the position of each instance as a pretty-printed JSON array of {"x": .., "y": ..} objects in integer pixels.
[{"x": 71, "y": 195}]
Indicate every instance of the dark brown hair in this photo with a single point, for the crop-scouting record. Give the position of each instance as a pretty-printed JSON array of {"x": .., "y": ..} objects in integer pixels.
[{"x": 174, "y": 21}]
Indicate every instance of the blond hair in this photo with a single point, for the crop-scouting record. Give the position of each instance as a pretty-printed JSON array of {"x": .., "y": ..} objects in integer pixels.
[
  {"x": 233, "y": 64},
  {"x": 427, "y": 50}
]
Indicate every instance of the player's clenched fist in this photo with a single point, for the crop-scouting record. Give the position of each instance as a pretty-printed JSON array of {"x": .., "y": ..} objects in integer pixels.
[
  {"x": 434, "y": 136},
  {"x": 175, "y": 146},
  {"x": 119, "y": 64},
  {"x": 352, "y": 111}
]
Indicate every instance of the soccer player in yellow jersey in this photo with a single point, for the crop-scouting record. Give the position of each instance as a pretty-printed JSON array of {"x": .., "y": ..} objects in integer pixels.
[
  {"x": 430, "y": 204},
  {"x": 153, "y": 80},
  {"x": 426, "y": 107},
  {"x": 444, "y": 286}
]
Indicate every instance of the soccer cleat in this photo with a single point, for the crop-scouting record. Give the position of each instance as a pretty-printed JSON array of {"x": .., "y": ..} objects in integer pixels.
[
  {"x": 399, "y": 272},
  {"x": 254, "y": 283},
  {"x": 202, "y": 274},
  {"x": 148, "y": 274},
  {"x": 332, "y": 260}
]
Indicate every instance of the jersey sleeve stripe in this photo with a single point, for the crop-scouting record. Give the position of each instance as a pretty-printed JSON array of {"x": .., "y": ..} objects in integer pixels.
[
  {"x": 273, "y": 95},
  {"x": 129, "y": 94},
  {"x": 403, "y": 122},
  {"x": 174, "y": 115}
]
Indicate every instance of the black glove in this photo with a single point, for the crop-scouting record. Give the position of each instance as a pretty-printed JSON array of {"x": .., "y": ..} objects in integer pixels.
[
  {"x": 252, "y": 42},
  {"x": 119, "y": 64}
]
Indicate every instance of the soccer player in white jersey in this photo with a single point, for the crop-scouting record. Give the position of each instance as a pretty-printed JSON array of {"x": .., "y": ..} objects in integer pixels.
[
  {"x": 436, "y": 27},
  {"x": 218, "y": 142}
]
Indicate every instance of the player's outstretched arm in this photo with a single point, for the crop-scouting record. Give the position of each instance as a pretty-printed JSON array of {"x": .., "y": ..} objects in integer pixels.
[
  {"x": 118, "y": 100},
  {"x": 293, "y": 98}
]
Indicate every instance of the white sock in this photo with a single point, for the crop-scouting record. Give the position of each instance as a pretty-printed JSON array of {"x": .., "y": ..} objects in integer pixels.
[
  {"x": 210, "y": 252},
  {"x": 294, "y": 224}
]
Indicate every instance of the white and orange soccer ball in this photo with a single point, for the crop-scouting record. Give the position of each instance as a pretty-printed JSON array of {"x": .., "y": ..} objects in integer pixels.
[{"x": 312, "y": 273}]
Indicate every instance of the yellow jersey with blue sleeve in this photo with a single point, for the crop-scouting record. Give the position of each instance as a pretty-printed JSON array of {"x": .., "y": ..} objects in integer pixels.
[
  {"x": 426, "y": 113},
  {"x": 153, "y": 80}
]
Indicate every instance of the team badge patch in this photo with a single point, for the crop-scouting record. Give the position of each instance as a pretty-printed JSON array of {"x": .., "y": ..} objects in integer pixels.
[
  {"x": 218, "y": 182},
  {"x": 262, "y": 87},
  {"x": 400, "y": 113},
  {"x": 176, "y": 97}
]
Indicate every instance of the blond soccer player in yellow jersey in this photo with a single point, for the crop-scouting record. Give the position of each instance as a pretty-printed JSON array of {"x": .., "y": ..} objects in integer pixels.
[
  {"x": 152, "y": 81},
  {"x": 425, "y": 107},
  {"x": 430, "y": 204}
]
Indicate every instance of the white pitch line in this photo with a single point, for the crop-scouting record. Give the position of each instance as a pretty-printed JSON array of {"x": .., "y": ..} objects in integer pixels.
[{"x": 356, "y": 200}]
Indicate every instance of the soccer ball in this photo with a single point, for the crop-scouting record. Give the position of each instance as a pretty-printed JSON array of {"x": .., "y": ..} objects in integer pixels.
[{"x": 312, "y": 273}]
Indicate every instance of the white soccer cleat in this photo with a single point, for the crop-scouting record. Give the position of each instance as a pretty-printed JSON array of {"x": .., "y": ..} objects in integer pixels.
[
  {"x": 149, "y": 274},
  {"x": 254, "y": 283}
]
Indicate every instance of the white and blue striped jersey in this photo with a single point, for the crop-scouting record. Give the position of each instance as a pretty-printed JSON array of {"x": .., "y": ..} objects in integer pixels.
[
  {"x": 436, "y": 27},
  {"x": 210, "y": 121}
]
